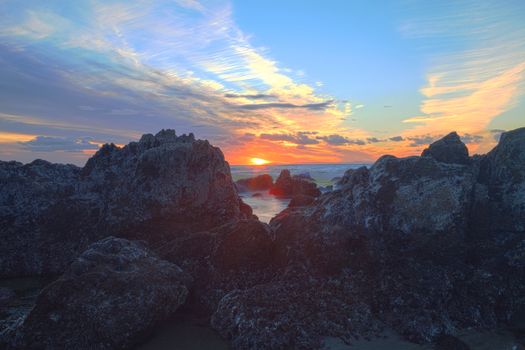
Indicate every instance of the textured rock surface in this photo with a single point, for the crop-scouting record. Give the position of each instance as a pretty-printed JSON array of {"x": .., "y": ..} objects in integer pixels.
[
  {"x": 258, "y": 183},
  {"x": 233, "y": 256},
  {"x": 110, "y": 297},
  {"x": 294, "y": 314},
  {"x": 287, "y": 185},
  {"x": 149, "y": 189},
  {"x": 408, "y": 195},
  {"x": 420, "y": 242}
]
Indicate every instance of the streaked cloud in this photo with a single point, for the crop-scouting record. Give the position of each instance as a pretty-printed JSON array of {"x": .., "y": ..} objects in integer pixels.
[
  {"x": 66, "y": 144},
  {"x": 321, "y": 106}
]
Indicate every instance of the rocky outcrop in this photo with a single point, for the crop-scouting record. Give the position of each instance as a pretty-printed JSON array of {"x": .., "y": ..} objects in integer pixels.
[
  {"x": 424, "y": 245},
  {"x": 233, "y": 256},
  {"x": 287, "y": 185},
  {"x": 449, "y": 149},
  {"x": 109, "y": 298},
  {"x": 500, "y": 189},
  {"x": 150, "y": 189},
  {"x": 429, "y": 245},
  {"x": 258, "y": 183}
]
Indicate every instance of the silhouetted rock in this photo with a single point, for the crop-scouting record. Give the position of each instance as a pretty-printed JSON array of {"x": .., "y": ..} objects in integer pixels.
[
  {"x": 432, "y": 244},
  {"x": 151, "y": 189},
  {"x": 449, "y": 149},
  {"x": 287, "y": 185},
  {"x": 233, "y": 256},
  {"x": 257, "y": 183},
  {"x": 109, "y": 298}
]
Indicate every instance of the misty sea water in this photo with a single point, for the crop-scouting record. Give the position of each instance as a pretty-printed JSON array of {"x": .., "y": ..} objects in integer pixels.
[{"x": 266, "y": 206}]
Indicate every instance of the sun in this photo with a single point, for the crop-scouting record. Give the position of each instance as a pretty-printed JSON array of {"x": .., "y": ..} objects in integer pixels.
[{"x": 258, "y": 161}]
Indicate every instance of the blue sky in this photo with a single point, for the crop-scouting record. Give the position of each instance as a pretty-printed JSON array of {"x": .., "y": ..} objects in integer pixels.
[{"x": 287, "y": 81}]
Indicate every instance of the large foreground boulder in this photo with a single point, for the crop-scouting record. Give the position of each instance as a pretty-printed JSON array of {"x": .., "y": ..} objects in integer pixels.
[
  {"x": 109, "y": 298},
  {"x": 149, "y": 190}
]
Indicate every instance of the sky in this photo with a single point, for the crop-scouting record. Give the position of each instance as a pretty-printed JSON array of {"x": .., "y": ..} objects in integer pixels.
[{"x": 285, "y": 81}]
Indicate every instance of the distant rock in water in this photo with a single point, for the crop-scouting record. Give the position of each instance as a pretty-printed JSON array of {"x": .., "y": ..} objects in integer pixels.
[
  {"x": 258, "y": 183},
  {"x": 151, "y": 189},
  {"x": 113, "y": 294},
  {"x": 287, "y": 185}
]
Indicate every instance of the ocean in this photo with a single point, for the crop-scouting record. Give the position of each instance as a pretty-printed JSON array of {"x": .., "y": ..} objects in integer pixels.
[{"x": 266, "y": 206}]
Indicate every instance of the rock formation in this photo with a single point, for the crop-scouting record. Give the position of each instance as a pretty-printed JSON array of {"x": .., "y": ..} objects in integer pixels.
[
  {"x": 428, "y": 244},
  {"x": 424, "y": 245},
  {"x": 109, "y": 298},
  {"x": 151, "y": 189},
  {"x": 234, "y": 256},
  {"x": 287, "y": 185},
  {"x": 258, "y": 183}
]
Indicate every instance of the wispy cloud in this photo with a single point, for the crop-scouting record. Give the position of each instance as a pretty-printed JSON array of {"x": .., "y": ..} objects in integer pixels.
[
  {"x": 146, "y": 66},
  {"x": 321, "y": 106},
  {"x": 480, "y": 76}
]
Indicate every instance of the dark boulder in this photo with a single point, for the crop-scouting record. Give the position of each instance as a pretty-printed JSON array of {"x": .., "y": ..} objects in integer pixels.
[
  {"x": 287, "y": 185},
  {"x": 149, "y": 190},
  {"x": 293, "y": 314},
  {"x": 499, "y": 204},
  {"x": 258, "y": 183},
  {"x": 233, "y": 256},
  {"x": 110, "y": 297},
  {"x": 449, "y": 149},
  {"x": 429, "y": 244}
]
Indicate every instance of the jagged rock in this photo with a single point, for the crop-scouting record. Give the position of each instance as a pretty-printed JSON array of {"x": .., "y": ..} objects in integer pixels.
[
  {"x": 233, "y": 256},
  {"x": 257, "y": 183},
  {"x": 109, "y": 298},
  {"x": 149, "y": 189},
  {"x": 287, "y": 185},
  {"x": 449, "y": 149},
  {"x": 500, "y": 191},
  {"x": 439, "y": 241},
  {"x": 414, "y": 195}
]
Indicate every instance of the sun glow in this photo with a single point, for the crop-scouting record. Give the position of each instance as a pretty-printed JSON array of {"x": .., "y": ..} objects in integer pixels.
[{"x": 258, "y": 161}]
